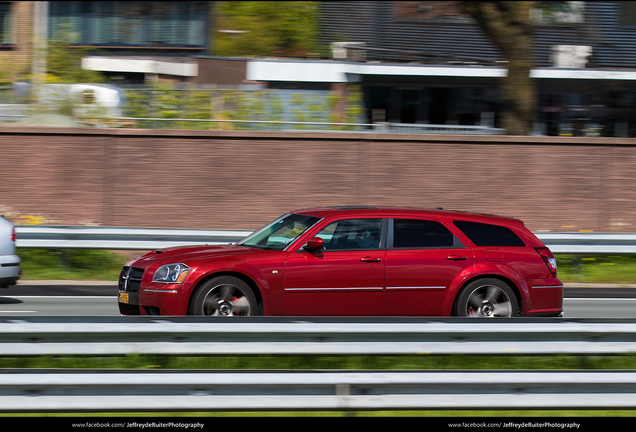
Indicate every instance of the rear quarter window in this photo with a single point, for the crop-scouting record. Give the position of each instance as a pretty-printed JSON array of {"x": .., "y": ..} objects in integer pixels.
[
  {"x": 482, "y": 234},
  {"x": 415, "y": 233}
]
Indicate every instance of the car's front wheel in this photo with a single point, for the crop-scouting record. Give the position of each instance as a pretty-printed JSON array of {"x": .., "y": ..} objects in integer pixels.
[
  {"x": 487, "y": 298},
  {"x": 224, "y": 296}
]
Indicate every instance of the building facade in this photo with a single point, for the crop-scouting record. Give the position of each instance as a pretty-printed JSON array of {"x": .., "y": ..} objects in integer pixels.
[
  {"x": 135, "y": 41},
  {"x": 584, "y": 54},
  {"x": 416, "y": 62},
  {"x": 131, "y": 41},
  {"x": 16, "y": 40}
]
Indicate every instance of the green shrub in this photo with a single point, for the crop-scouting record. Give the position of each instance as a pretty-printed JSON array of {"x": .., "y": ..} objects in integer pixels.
[{"x": 70, "y": 264}]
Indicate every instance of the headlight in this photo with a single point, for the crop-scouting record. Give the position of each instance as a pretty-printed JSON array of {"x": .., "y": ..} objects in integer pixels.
[{"x": 171, "y": 273}]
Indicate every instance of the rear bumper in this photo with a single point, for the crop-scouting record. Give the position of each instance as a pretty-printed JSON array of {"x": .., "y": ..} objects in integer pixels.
[
  {"x": 9, "y": 270},
  {"x": 546, "y": 297}
]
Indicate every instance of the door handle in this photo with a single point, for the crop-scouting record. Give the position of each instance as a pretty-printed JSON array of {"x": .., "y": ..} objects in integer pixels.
[
  {"x": 456, "y": 258},
  {"x": 370, "y": 259}
]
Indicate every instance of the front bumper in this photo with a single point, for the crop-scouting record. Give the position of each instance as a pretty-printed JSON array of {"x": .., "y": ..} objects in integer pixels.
[
  {"x": 152, "y": 303},
  {"x": 137, "y": 297}
]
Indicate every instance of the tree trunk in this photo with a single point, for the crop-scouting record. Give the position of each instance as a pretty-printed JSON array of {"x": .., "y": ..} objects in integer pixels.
[
  {"x": 509, "y": 26},
  {"x": 518, "y": 96}
]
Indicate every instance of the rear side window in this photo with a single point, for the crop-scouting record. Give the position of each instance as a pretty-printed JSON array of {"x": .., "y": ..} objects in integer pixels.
[
  {"x": 489, "y": 235},
  {"x": 415, "y": 233}
]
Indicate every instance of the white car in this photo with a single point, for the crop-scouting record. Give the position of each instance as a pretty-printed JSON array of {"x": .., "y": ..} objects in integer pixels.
[{"x": 9, "y": 261}]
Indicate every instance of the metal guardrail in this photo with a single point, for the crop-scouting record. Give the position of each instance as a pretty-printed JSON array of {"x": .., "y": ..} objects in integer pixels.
[
  {"x": 316, "y": 390},
  {"x": 315, "y": 336},
  {"x": 28, "y": 390},
  {"x": 589, "y": 242},
  {"x": 85, "y": 237}
]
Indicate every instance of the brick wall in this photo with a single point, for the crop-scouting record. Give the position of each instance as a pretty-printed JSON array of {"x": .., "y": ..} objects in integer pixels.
[{"x": 240, "y": 180}]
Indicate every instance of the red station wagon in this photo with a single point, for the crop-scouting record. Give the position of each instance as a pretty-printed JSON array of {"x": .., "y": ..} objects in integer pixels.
[{"x": 354, "y": 261}]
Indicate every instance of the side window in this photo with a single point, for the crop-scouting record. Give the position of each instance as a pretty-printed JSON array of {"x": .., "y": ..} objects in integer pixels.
[
  {"x": 352, "y": 234},
  {"x": 416, "y": 233},
  {"x": 489, "y": 235}
]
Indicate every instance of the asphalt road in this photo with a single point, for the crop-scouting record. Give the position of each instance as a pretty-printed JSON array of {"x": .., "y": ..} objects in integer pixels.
[
  {"x": 59, "y": 298},
  {"x": 68, "y": 298}
]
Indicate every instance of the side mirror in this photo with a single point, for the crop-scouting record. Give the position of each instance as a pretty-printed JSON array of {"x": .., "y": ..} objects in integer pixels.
[{"x": 315, "y": 243}]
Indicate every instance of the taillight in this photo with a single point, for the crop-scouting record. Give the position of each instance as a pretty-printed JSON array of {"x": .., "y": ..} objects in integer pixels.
[
  {"x": 13, "y": 235},
  {"x": 548, "y": 258}
]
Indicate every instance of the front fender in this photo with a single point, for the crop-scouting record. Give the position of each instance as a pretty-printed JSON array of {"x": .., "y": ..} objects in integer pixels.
[{"x": 262, "y": 273}]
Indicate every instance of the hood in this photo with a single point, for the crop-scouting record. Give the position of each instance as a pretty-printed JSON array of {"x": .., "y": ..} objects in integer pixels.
[{"x": 188, "y": 253}]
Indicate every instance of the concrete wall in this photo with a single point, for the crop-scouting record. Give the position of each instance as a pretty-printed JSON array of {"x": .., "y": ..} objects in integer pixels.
[{"x": 240, "y": 180}]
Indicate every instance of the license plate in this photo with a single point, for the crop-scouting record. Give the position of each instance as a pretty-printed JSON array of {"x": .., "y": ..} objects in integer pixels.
[{"x": 123, "y": 297}]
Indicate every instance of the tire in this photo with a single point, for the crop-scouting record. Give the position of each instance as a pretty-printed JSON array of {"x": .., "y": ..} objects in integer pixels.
[
  {"x": 487, "y": 298},
  {"x": 224, "y": 296}
]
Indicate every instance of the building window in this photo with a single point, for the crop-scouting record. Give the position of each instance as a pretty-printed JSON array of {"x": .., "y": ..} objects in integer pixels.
[
  {"x": 628, "y": 13},
  {"x": 7, "y": 36},
  {"x": 130, "y": 23},
  {"x": 559, "y": 12},
  {"x": 429, "y": 10}
]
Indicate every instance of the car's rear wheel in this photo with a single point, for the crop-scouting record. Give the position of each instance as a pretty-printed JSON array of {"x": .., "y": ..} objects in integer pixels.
[
  {"x": 487, "y": 298},
  {"x": 224, "y": 296}
]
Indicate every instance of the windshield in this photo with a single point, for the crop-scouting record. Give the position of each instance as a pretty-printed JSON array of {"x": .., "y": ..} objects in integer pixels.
[{"x": 280, "y": 233}]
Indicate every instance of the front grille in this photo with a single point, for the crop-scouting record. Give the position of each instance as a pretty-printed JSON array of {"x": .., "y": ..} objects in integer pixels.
[{"x": 130, "y": 279}]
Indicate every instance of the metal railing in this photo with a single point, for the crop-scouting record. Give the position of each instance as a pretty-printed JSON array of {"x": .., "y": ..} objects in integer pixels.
[
  {"x": 316, "y": 390},
  {"x": 314, "y": 336},
  {"x": 85, "y": 237},
  {"x": 114, "y": 238},
  {"x": 27, "y": 390},
  {"x": 268, "y": 125},
  {"x": 589, "y": 242},
  {"x": 271, "y": 125}
]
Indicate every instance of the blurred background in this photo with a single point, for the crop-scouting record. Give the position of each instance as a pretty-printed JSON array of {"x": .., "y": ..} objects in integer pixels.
[{"x": 225, "y": 115}]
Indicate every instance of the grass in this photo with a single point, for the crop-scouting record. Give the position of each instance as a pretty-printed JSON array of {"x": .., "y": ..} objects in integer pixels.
[
  {"x": 71, "y": 264},
  {"x": 352, "y": 362},
  {"x": 620, "y": 269}
]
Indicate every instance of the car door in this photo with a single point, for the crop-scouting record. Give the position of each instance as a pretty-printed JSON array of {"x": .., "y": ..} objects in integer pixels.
[
  {"x": 345, "y": 277},
  {"x": 423, "y": 259}
]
